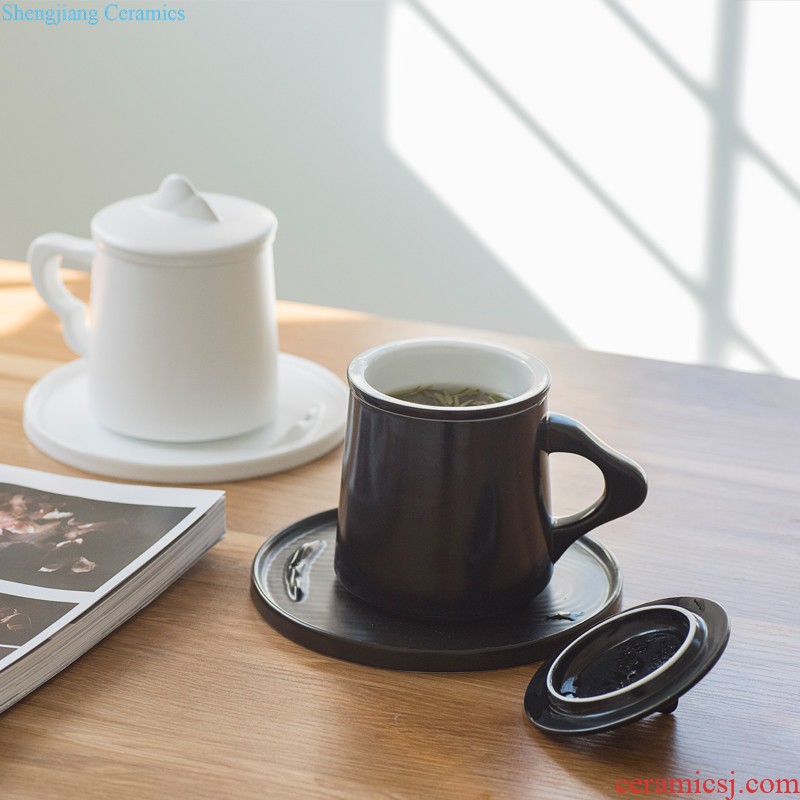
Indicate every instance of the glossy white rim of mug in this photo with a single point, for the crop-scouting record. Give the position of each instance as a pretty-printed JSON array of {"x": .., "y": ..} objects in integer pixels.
[{"x": 537, "y": 387}]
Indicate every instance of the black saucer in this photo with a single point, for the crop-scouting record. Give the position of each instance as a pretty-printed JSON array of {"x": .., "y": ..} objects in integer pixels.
[{"x": 295, "y": 588}]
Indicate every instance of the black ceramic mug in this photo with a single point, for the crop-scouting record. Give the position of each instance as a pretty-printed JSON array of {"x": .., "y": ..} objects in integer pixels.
[{"x": 443, "y": 511}]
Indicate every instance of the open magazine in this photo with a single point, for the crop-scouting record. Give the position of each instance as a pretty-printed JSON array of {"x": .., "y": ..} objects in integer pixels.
[{"x": 79, "y": 557}]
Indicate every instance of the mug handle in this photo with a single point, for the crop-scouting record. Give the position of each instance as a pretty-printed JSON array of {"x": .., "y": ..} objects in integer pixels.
[
  {"x": 625, "y": 481},
  {"x": 44, "y": 257}
]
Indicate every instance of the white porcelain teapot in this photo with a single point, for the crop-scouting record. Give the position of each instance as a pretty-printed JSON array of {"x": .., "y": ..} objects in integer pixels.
[{"x": 181, "y": 341}]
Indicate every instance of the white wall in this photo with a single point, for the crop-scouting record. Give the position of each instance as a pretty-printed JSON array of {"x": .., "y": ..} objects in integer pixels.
[{"x": 619, "y": 174}]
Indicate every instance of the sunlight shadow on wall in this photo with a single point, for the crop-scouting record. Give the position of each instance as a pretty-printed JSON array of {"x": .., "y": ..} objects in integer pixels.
[
  {"x": 597, "y": 167},
  {"x": 516, "y": 186}
]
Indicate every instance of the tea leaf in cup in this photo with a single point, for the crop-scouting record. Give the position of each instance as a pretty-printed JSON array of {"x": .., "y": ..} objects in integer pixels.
[{"x": 451, "y": 395}]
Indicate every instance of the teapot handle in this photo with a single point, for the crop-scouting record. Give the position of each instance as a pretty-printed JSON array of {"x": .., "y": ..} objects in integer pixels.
[{"x": 44, "y": 257}]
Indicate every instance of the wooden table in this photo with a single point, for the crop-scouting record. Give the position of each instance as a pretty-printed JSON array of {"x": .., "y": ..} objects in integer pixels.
[{"x": 197, "y": 697}]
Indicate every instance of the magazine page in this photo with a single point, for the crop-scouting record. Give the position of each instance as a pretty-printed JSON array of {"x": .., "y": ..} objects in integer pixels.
[{"x": 65, "y": 543}]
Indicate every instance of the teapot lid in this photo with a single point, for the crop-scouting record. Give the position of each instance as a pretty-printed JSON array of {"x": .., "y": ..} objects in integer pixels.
[{"x": 177, "y": 220}]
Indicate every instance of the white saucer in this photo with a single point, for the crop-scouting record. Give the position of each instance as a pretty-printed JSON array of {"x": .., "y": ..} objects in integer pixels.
[{"x": 312, "y": 412}]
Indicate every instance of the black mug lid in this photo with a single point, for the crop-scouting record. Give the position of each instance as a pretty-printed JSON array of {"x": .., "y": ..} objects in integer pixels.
[{"x": 628, "y": 666}]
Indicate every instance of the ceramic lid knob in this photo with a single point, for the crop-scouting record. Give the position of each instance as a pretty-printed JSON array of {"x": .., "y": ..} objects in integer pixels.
[{"x": 176, "y": 195}]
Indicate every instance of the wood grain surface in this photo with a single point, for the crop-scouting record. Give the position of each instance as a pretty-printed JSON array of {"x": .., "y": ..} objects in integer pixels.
[{"x": 197, "y": 697}]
